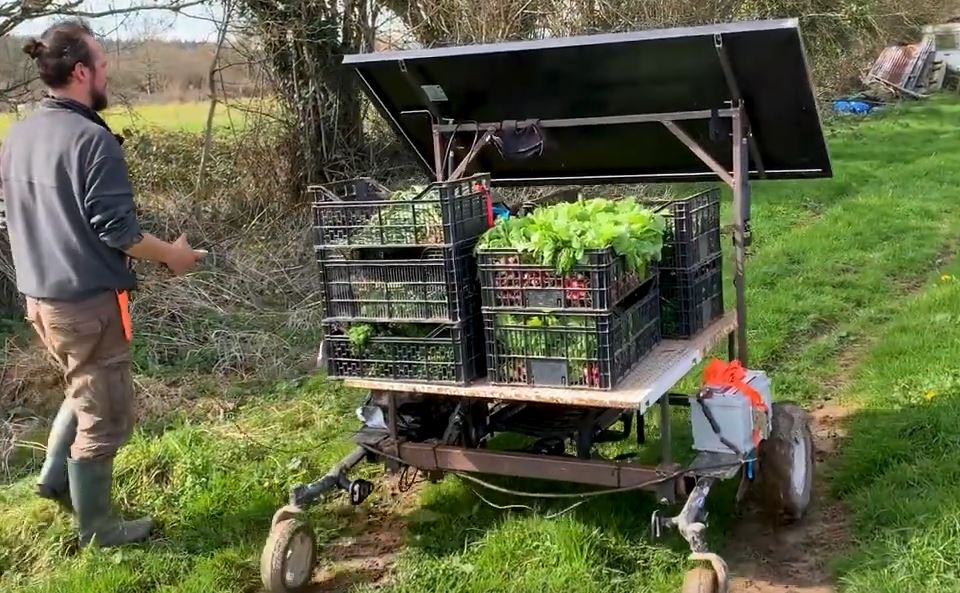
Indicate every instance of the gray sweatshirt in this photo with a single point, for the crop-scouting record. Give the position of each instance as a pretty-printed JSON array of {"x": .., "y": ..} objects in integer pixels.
[{"x": 69, "y": 204}]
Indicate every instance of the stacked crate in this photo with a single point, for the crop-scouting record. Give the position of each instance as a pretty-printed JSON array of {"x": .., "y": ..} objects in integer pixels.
[
  {"x": 400, "y": 293},
  {"x": 691, "y": 274},
  {"x": 583, "y": 329}
]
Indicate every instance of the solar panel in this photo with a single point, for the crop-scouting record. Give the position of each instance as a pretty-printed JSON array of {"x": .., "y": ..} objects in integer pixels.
[{"x": 600, "y": 100}]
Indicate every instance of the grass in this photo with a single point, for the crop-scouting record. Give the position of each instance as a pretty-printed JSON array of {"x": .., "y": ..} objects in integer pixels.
[
  {"x": 188, "y": 116},
  {"x": 854, "y": 293}
]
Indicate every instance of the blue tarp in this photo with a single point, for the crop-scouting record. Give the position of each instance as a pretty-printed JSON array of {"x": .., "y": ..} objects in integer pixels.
[
  {"x": 854, "y": 106},
  {"x": 500, "y": 211}
]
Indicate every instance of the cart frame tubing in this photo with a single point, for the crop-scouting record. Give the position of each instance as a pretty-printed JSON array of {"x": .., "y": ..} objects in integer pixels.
[{"x": 743, "y": 146}]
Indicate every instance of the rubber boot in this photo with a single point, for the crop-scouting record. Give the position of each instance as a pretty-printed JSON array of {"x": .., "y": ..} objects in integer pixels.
[
  {"x": 91, "y": 481},
  {"x": 53, "y": 482}
]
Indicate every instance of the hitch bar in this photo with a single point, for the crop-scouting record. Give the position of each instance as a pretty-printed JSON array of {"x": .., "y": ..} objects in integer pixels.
[
  {"x": 304, "y": 495},
  {"x": 691, "y": 523}
]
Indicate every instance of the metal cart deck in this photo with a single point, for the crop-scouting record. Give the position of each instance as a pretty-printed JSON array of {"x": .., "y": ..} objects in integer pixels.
[
  {"x": 654, "y": 376},
  {"x": 729, "y": 102}
]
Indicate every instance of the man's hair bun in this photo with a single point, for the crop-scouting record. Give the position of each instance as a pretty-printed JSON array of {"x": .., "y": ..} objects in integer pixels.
[{"x": 34, "y": 48}]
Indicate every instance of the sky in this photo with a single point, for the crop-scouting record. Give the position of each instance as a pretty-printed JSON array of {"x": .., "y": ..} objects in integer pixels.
[{"x": 194, "y": 25}]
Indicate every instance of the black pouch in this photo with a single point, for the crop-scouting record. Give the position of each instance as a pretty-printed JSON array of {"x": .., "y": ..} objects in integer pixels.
[{"x": 519, "y": 142}]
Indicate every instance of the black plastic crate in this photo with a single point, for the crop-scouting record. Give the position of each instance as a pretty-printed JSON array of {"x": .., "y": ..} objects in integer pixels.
[
  {"x": 450, "y": 353},
  {"x": 360, "y": 213},
  {"x": 585, "y": 350},
  {"x": 693, "y": 228},
  {"x": 434, "y": 284},
  {"x": 690, "y": 300},
  {"x": 509, "y": 279}
]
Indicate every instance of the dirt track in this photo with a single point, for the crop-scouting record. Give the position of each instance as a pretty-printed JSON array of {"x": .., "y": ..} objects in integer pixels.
[{"x": 795, "y": 558}]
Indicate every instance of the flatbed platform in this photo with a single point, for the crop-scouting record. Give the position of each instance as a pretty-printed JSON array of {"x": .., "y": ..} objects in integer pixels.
[{"x": 650, "y": 379}]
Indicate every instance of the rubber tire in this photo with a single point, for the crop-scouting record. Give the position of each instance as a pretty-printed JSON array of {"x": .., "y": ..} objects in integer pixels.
[
  {"x": 273, "y": 559},
  {"x": 790, "y": 426},
  {"x": 700, "y": 580}
]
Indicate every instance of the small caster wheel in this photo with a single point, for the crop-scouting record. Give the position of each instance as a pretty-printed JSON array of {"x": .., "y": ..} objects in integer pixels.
[
  {"x": 289, "y": 557},
  {"x": 700, "y": 580},
  {"x": 360, "y": 490}
]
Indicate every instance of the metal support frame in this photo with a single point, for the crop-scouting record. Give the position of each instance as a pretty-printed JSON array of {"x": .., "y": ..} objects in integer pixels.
[
  {"x": 392, "y": 422},
  {"x": 437, "y": 154},
  {"x": 741, "y": 209},
  {"x": 699, "y": 151},
  {"x": 576, "y": 122},
  {"x": 737, "y": 97},
  {"x": 666, "y": 432},
  {"x": 435, "y": 457},
  {"x": 440, "y": 130}
]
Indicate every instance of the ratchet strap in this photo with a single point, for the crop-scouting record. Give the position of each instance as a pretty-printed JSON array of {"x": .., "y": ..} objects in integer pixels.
[
  {"x": 732, "y": 374},
  {"x": 488, "y": 197},
  {"x": 123, "y": 300}
]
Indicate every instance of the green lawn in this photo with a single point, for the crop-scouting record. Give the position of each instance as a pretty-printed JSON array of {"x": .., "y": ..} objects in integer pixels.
[
  {"x": 854, "y": 293},
  {"x": 190, "y": 116}
]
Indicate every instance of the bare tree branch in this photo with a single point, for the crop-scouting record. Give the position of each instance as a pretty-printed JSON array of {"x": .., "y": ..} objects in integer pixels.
[
  {"x": 13, "y": 13},
  {"x": 173, "y": 6},
  {"x": 212, "y": 81}
]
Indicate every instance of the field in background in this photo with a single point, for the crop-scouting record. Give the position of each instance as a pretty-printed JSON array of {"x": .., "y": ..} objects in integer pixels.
[
  {"x": 188, "y": 117},
  {"x": 854, "y": 307}
]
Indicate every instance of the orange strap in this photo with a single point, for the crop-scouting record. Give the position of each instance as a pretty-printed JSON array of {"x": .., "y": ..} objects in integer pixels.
[
  {"x": 732, "y": 374},
  {"x": 479, "y": 187},
  {"x": 123, "y": 299}
]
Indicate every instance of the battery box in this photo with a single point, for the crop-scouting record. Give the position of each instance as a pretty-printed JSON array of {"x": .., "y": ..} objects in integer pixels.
[{"x": 734, "y": 415}]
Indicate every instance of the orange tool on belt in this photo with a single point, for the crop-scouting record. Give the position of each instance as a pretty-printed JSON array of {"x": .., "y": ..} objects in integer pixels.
[{"x": 123, "y": 300}]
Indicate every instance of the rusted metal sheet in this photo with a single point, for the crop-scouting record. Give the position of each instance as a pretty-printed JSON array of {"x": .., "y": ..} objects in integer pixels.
[
  {"x": 430, "y": 457},
  {"x": 902, "y": 65}
]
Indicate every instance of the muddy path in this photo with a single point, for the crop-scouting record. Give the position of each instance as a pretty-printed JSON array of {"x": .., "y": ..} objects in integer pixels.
[
  {"x": 377, "y": 536},
  {"x": 795, "y": 558}
]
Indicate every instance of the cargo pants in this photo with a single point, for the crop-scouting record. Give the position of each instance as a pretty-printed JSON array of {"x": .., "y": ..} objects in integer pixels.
[{"x": 87, "y": 340}]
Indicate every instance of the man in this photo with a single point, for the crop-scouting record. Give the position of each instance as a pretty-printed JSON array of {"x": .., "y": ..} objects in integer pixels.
[{"x": 73, "y": 228}]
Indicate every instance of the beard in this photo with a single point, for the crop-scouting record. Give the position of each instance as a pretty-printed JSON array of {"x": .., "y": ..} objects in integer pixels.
[{"x": 98, "y": 100}]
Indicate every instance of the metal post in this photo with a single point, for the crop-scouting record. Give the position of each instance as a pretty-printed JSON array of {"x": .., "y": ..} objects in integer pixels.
[
  {"x": 641, "y": 429},
  {"x": 666, "y": 434},
  {"x": 437, "y": 155},
  {"x": 737, "y": 98},
  {"x": 741, "y": 204},
  {"x": 392, "y": 422}
]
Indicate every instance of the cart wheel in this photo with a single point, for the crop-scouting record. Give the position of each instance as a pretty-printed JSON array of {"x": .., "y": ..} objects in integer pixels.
[
  {"x": 289, "y": 556},
  {"x": 700, "y": 580},
  {"x": 786, "y": 462}
]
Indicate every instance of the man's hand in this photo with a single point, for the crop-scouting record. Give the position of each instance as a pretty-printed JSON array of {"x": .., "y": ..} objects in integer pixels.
[{"x": 181, "y": 257}]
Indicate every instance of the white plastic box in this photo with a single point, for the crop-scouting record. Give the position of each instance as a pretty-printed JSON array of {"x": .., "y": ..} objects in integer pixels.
[{"x": 734, "y": 415}]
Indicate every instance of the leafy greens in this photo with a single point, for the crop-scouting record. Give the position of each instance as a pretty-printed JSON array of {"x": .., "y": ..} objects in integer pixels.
[
  {"x": 413, "y": 217},
  {"x": 558, "y": 236}
]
